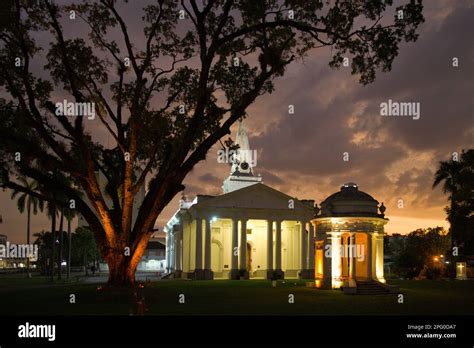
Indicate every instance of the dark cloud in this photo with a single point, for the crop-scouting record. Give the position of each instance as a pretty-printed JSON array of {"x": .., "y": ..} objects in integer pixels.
[
  {"x": 390, "y": 158},
  {"x": 209, "y": 178}
]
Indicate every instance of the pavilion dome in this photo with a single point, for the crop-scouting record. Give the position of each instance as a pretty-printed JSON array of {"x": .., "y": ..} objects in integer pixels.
[{"x": 350, "y": 201}]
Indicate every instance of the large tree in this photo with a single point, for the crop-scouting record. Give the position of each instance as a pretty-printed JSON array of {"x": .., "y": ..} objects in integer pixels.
[{"x": 164, "y": 97}]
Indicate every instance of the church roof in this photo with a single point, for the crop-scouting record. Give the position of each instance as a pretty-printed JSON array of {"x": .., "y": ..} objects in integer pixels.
[
  {"x": 350, "y": 201},
  {"x": 256, "y": 197},
  {"x": 349, "y": 192}
]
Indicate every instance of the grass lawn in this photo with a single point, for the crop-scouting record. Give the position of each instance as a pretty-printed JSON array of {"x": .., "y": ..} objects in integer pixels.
[{"x": 36, "y": 297}]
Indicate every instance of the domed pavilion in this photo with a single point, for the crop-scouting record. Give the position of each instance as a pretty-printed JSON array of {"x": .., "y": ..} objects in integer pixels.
[{"x": 349, "y": 239}]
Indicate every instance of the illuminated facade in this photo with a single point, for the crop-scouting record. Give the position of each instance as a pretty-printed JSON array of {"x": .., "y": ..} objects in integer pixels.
[
  {"x": 255, "y": 231},
  {"x": 250, "y": 231},
  {"x": 349, "y": 239},
  {"x": 247, "y": 233}
]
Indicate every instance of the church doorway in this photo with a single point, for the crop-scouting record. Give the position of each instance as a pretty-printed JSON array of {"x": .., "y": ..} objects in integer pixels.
[{"x": 249, "y": 258}]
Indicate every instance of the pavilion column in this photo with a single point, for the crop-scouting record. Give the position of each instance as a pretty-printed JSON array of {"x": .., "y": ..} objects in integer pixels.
[
  {"x": 198, "y": 268},
  {"x": 208, "y": 274},
  {"x": 379, "y": 271},
  {"x": 269, "y": 249},
  {"x": 243, "y": 249},
  {"x": 336, "y": 258},
  {"x": 327, "y": 262},
  {"x": 234, "y": 271},
  {"x": 304, "y": 251},
  {"x": 355, "y": 256},
  {"x": 369, "y": 255},
  {"x": 279, "y": 274},
  {"x": 311, "y": 266},
  {"x": 352, "y": 260},
  {"x": 351, "y": 256}
]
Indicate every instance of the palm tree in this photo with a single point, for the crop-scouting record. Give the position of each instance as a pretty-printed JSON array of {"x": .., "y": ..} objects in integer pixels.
[
  {"x": 447, "y": 174},
  {"x": 58, "y": 204},
  {"x": 69, "y": 214},
  {"x": 43, "y": 241},
  {"x": 52, "y": 212},
  {"x": 26, "y": 200},
  {"x": 61, "y": 234},
  {"x": 457, "y": 179}
]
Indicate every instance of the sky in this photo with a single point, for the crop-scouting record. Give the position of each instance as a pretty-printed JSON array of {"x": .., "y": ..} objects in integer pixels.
[{"x": 391, "y": 158}]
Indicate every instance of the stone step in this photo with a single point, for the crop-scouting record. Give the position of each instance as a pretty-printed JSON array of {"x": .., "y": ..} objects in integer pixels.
[{"x": 370, "y": 288}]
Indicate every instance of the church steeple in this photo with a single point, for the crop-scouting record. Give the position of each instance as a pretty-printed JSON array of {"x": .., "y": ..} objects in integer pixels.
[{"x": 243, "y": 161}]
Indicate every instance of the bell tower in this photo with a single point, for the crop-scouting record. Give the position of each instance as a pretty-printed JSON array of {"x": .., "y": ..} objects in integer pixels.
[{"x": 243, "y": 161}]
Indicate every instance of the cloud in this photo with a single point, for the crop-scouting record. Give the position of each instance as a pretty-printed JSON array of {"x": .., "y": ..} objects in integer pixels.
[{"x": 301, "y": 154}]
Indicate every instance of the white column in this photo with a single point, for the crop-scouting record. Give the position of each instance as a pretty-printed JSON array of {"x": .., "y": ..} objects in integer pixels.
[
  {"x": 235, "y": 246},
  {"x": 243, "y": 245},
  {"x": 369, "y": 255},
  {"x": 311, "y": 261},
  {"x": 304, "y": 249},
  {"x": 172, "y": 260},
  {"x": 351, "y": 256},
  {"x": 168, "y": 251},
  {"x": 336, "y": 258},
  {"x": 278, "y": 246},
  {"x": 355, "y": 256},
  {"x": 207, "y": 245},
  {"x": 198, "y": 244},
  {"x": 176, "y": 252},
  {"x": 379, "y": 271},
  {"x": 180, "y": 250},
  {"x": 269, "y": 248}
]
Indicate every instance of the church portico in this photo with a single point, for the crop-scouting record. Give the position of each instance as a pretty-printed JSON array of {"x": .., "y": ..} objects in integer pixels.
[{"x": 233, "y": 242}]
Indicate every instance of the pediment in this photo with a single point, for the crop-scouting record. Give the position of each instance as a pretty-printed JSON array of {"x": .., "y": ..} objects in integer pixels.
[{"x": 258, "y": 196}]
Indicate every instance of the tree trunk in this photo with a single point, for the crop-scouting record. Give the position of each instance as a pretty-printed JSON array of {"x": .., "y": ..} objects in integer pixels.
[
  {"x": 28, "y": 274},
  {"x": 60, "y": 243},
  {"x": 69, "y": 247},
  {"x": 121, "y": 271},
  {"x": 53, "y": 235}
]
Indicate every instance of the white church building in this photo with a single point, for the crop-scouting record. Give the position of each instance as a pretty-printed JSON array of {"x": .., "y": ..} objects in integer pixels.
[{"x": 253, "y": 231}]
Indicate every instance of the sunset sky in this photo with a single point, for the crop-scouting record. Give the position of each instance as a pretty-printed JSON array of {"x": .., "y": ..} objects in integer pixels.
[{"x": 391, "y": 158}]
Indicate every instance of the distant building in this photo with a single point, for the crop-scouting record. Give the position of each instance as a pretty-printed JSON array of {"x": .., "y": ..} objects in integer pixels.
[
  {"x": 3, "y": 241},
  {"x": 13, "y": 262},
  {"x": 154, "y": 258}
]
